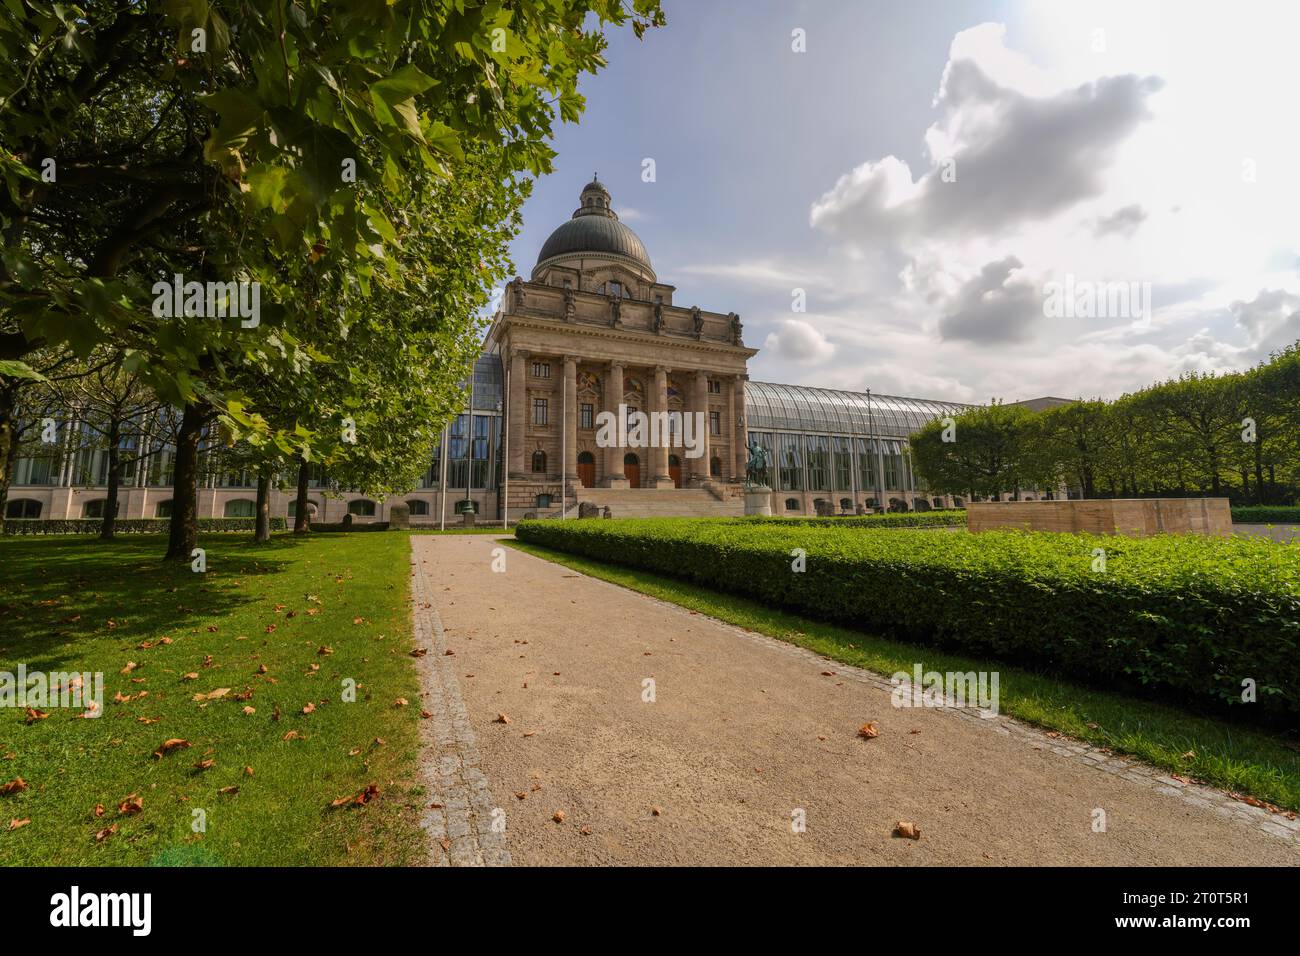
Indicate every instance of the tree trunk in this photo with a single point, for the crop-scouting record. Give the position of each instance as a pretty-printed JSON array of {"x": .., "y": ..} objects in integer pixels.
[
  {"x": 185, "y": 490},
  {"x": 1259, "y": 471},
  {"x": 263, "y": 529},
  {"x": 300, "y": 523},
  {"x": 8, "y": 447},
  {"x": 114, "y": 481}
]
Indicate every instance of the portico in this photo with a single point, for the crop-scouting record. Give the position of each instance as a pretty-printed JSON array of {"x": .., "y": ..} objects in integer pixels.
[{"x": 594, "y": 330}]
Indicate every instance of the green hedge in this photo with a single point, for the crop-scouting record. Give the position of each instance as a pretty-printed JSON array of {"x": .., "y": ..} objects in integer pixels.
[
  {"x": 355, "y": 526},
  {"x": 1187, "y": 616},
  {"x": 951, "y": 518},
  {"x": 1267, "y": 514},
  {"x": 127, "y": 525}
]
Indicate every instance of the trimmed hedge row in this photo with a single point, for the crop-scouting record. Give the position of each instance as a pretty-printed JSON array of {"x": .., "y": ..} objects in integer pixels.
[
  {"x": 1187, "y": 616},
  {"x": 127, "y": 525},
  {"x": 1267, "y": 514},
  {"x": 951, "y": 518}
]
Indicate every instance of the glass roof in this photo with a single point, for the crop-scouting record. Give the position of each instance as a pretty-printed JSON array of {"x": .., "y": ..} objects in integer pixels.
[{"x": 830, "y": 411}]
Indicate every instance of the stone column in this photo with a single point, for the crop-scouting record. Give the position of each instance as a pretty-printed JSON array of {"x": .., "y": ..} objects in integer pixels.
[
  {"x": 659, "y": 453},
  {"x": 741, "y": 434},
  {"x": 571, "y": 417},
  {"x": 700, "y": 466},
  {"x": 518, "y": 413},
  {"x": 615, "y": 477}
]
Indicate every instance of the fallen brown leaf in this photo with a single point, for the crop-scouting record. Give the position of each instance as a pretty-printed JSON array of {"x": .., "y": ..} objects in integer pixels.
[
  {"x": 173, "y": 743},
  {"x": 132, "y": 804}
]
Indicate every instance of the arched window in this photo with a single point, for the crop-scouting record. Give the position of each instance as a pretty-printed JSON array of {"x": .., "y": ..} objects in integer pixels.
[
  {"x": 539, "y": 462},
  {"x": 920, "y": 504},
  {"x": 938, "y": 504},
  {"x": 293, "y": 507},
  {"x": 586, "y": 458},
  {"x": 241, "y": 508},
  {"x": 957, "y": 502},
  {"x": 418, "y": 507},
  {"x": 791, "y": 504},
  {"x": 846, "y": 504},
  {"x": 163, "y": 509},
  {"x": 631, "y": 459},
  {"x": 23, "y": 508},
  {"x": 95, "y": 509},
  {"x": 362, "y": 508},
  {"x": 715, "y": 466}
]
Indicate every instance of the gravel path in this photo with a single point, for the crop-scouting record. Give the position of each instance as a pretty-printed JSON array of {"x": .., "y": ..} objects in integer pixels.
[{"x": 745, "y": 737}]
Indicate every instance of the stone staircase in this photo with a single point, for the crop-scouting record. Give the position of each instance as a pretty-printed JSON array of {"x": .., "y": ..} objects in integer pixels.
[{"x": 711, "y": 501}]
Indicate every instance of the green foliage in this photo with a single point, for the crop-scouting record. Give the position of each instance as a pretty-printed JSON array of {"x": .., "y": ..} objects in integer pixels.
[
  {"x": 1186, "y": 616},
  {"x": 952, "y": 518},
  {"x": 286, "y": 144},
  {"x": 1266, "y": 514},
  {"x": 128, "y": 525},
  {"x": 989, "y": 450},
  {"x": 1200, "y": 434}
]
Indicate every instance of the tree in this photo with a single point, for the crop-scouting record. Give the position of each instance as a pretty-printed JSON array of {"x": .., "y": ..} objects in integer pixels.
[
  {"x": 116, "y": 407},
  {"x": 987, "y": 450},
  {"x": 27, "y": 402},
  {"x": 269, "y": 144},
  {"x": 1078, "y": 439}
]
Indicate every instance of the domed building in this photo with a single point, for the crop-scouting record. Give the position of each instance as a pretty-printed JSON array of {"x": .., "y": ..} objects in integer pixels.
[{"x": 594, "y": 337}]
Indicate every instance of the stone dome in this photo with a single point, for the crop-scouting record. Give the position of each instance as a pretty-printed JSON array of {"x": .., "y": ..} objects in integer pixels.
[{"x": 594, "y": 227}]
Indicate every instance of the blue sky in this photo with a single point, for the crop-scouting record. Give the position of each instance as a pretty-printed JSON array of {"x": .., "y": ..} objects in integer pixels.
[{"x": 1106, "y": 142}]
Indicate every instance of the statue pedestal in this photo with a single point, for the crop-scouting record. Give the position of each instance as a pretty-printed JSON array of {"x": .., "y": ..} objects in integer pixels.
[{"x": 758, "y": 501}]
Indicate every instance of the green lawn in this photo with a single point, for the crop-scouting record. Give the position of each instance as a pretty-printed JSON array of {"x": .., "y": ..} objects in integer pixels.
[
  {"x": 73, "y": 603},
  {"x": 1239, "y": 759}
]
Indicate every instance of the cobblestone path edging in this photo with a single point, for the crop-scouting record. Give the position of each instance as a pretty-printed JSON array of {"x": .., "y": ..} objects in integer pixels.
[{"x": 458, "y": 812}]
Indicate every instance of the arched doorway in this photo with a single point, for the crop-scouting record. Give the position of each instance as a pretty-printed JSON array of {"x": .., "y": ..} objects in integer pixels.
[
  {"x": 587, "y": 469},
  {"x": 675, "y": 470},
  {"x": 632, "y": 468}
]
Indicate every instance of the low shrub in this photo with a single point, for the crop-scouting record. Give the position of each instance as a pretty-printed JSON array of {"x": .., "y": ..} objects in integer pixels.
[
  {"x": 355, "y": 526},
  {"x": 1185, "y": 616},
  {"x": 128, "y": 525},
  {"x": 1267, "y": 514},
  {"x": 952, "y": 518}
]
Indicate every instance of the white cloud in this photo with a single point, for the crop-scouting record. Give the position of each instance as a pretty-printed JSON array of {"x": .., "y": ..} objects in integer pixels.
[
  {"x": 1122, "y": 222},
  {"x": 761, "y": 272},
  {"x": 798, "y": 341},
  {"x": 999, "y": 156},
  {"x": 1106, "y": 168},
  {"x": 995, "y": 306}
]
